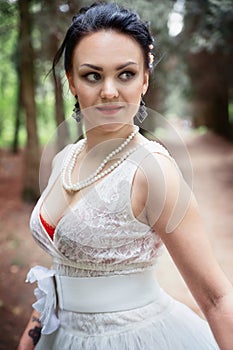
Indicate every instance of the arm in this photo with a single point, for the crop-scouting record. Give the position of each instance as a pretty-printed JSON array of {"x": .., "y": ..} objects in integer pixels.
[
  {"x": 179, "y": 225},
  {"x": 31, "y": 334}
]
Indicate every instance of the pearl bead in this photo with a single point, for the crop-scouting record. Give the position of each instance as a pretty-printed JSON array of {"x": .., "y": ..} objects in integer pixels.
[{"x": 97, "y": 174}]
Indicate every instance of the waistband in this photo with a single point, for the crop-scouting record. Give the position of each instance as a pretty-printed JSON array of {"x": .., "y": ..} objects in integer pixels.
[
  {"x": 108, "y": 293},
  {"x": 89, "y": 294}
]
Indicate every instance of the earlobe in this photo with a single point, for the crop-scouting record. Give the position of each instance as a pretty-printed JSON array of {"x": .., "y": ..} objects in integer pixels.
[
  {"x": 146, "y": 82},
  {"x": 71, "y": 83}
]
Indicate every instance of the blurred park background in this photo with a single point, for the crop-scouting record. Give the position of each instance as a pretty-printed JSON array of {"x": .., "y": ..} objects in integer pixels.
[{"x": 191, "y": 86}]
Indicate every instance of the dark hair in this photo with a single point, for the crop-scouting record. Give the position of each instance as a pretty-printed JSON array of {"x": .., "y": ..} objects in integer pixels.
[{"x": 104, "y": 16}]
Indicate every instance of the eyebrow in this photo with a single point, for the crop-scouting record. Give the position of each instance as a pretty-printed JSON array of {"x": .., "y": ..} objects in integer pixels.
[{"x": 101, "y": 69}]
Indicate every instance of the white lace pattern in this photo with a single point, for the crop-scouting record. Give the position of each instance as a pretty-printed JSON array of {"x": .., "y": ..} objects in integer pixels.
[{"x": 100, "y": 236}]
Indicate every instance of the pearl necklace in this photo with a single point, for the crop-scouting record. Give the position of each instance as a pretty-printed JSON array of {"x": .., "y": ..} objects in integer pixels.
[{"x": 70, "y": 187}]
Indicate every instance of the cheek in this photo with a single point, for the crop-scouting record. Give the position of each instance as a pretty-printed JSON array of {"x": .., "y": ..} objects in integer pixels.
[
  {"x": 86, "y": 95},
  {"x": 136, "y": 89},
  {"x": 134, "y": 93}
]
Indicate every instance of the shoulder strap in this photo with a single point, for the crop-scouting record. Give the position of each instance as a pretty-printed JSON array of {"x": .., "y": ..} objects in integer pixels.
[
  {"x": 156, "y": 147},
  {"x": 151, "y": 147}
]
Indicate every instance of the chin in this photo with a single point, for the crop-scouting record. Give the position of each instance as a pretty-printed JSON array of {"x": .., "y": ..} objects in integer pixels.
[{"x": 111, "y": 127}]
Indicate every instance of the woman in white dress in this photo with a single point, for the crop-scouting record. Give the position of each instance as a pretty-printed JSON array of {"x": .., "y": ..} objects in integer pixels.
[{"x": 112, "y": 200}]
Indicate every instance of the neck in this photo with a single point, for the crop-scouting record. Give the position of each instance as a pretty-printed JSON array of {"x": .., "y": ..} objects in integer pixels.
[
  {"x": 96, "y": 151},
  {"x": 99, "y": 137}
]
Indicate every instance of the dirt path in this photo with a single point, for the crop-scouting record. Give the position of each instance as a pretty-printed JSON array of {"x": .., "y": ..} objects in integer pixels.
[{"x": 212, "y": 161}]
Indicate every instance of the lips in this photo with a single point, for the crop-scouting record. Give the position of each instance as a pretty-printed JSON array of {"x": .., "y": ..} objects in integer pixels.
[{"x": 109, "y": 109}]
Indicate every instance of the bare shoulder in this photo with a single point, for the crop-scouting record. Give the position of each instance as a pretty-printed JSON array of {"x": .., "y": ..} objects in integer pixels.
[
  {"x": 62, "y": 155},
  {"x": 155, "y": 171},
  {"x": 166, "y": 195},
  {"x": 157, "y": 166}
]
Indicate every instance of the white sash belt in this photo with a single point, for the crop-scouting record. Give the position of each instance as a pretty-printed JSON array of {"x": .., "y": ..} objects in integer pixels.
[
  {"x": 89, "y": 295},
  {"x": 106, "y": 294}
]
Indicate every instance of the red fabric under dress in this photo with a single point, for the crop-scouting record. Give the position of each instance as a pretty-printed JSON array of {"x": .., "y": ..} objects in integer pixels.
[{"x": 48, "y": 228}]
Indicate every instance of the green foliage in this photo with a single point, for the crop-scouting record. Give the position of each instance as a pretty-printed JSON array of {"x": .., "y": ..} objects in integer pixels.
[
  {"x": 8, "y": 72},
  {"x": 208, "y": 26},
  {"x": 231, "y": 112},
  {"x": 211, "y": 22},
  {"x": 43, "y": 27},
  {"x": 177, "y": 92},
  {"x": 8, "y": 79}
]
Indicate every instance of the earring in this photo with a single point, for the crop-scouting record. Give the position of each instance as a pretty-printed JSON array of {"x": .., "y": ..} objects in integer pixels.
[
  {"x": 76, "y": 111},
  {"x": 142, "y": 112}
]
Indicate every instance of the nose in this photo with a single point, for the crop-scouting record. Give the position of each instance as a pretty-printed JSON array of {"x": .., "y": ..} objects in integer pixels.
[{"x": 109, "y": 90}]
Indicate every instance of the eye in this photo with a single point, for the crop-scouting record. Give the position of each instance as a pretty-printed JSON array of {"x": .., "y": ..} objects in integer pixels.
[
  {"x": 93, "y": 77},
  {"x": 127, "y": 75}
]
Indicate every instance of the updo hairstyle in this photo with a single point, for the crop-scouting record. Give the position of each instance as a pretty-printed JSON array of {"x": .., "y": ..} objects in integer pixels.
[{"x": 105, "y": 16}]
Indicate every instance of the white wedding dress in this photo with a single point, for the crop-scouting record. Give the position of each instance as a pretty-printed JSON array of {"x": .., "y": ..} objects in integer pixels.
[{"x": 101, "y": 237}]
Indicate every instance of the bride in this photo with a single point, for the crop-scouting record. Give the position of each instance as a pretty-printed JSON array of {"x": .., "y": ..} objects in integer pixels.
[{"x": 113, "y": 199}]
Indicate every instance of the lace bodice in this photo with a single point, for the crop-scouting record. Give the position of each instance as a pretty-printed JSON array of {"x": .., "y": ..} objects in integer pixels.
[{"x": 100, "y": 235}]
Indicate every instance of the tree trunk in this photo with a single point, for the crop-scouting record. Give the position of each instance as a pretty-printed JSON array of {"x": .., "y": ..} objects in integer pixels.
[
  {"x": 15, "y": 144},
  {"x": 53, "y": 12},
  {"x": 208, "y": 73},
  {"x": 153, "y": 102},
  {"x": 18, "y": 107},
  {"x": 26, "y": 68}
]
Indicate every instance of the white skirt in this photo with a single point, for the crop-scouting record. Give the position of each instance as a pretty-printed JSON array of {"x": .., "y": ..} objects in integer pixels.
[{"x": 162, "y": 325}]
